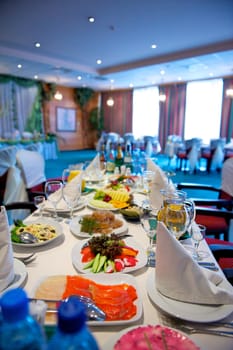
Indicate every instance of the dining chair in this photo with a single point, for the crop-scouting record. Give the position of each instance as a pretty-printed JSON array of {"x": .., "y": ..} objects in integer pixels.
[
  {"x": 19, "y": 210},
  {"x": 32, "y": 166},
  {"x": 217, "y": 224},
  {"x": 223, "y": 253},
  {"x": 188, "y": 154},
  {"x": 214, "y": 154}
]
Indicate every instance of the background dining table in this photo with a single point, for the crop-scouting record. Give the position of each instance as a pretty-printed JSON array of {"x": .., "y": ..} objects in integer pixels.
[{"x": 55, "y": 258}]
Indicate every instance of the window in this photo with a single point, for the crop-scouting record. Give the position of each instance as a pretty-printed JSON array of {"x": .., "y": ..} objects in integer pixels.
[
  {"x": 203, "y": 109},
  {"x": 146, "y": 111}
]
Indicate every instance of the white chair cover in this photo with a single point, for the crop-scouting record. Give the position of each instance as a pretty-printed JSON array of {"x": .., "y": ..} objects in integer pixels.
[
  {"x": 193, "y": 157},
  {"x": 217, "y": 158},
  {"x": 227, "y": 176},
  {"x": 7, "y": 158},
  {"x": 32, "y": 166},
  {"x": 15, "y": 189}
]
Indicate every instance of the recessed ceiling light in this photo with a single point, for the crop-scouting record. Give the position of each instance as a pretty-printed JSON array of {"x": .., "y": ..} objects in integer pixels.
[
  {"x": 162, "y": 72},
  {"x": 98, "y": 61},
  {"x": 153, "y": 46},
  {"x": 79, "y": 77},
  {"x": 37, "y": 44},
  {"x": 91, "y": 19},
  {"x": 35, "y": 76},
  {"x": 211, "y": 74},
  {"x": 112, "y": 81},
  {"x": 19, "y": 66},
  {"x": 130, "y": 85},
  {"x": 179, "y": 78}
]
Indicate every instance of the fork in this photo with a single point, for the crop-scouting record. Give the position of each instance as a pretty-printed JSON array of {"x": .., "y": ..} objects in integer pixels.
[
  {"x": 26, "y": 259},
  {"x": 191, "y": 330}
]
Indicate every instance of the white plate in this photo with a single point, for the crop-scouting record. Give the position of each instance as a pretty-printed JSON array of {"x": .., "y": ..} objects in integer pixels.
[
  {"x": 20, "y": 276},
  {"x": 109, "y": 345},
  {"x": 186, "y": 311},
  {"x": 46, "y": 221},
  {"x": 114, "y": 280},
  {"x": 75, "y": 227},
  {"x": 141, "y": 257},
  {"x": 63, "y": 208}
]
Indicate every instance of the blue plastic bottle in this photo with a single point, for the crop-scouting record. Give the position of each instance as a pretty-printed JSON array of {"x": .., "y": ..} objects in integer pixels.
[
  {"x": 18, "y": 330},
  {"x": 72, "y": 332}
]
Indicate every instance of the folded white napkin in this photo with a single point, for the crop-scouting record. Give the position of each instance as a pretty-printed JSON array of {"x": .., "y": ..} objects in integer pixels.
[
  {"x": 6, "y": 253},
  {"x": 93, "y": 171},
  {"x": 180, "y": 277},
  {"x": 57, "y": 196},
  {"x": 159, "y": 182}
]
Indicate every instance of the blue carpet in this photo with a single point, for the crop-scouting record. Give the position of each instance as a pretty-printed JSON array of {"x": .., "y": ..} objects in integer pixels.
[{"x": 54, "y": 168}]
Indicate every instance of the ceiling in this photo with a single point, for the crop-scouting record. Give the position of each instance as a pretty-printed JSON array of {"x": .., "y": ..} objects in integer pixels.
[{"x": 194, "y": 41}]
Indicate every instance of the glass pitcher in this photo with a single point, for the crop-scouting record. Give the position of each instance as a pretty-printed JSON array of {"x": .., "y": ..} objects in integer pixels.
[{"x": 170, "y": 197}]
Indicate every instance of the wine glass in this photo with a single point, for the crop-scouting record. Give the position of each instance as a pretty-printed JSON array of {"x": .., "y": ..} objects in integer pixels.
[
  {"x": 191, "y": 210},
  {"x": 198, "y": 234},
  {"x": 149, "y": 224},
  {"x": 177, "y": 219},
  {"x": 53, "y": 192},
  {"x": 39, "y": 202},
  {"x": 71, "y": 194}
]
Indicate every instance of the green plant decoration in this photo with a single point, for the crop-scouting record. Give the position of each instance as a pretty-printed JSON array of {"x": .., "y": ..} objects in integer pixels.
[
  {"x": 82, "y": 96},
  {"x": 47, "y": 92},
  {"x": 96, "y": 119}
]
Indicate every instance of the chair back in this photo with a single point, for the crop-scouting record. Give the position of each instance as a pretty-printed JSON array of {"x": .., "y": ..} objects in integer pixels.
[
  {"x": 227, "y": 179},
  {"x": 32, "y": 167}
]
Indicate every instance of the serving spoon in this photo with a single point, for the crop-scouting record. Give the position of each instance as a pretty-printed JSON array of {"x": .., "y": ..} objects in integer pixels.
[
  {"x": 27, "y": 238},
  {"x": 93, "y": 312}
]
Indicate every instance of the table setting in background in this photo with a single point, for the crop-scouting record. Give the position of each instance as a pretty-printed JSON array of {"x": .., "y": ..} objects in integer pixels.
[{"x": 175, "y": 294}]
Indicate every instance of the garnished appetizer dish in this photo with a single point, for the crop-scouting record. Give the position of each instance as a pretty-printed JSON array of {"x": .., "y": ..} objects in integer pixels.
[
  {"x": 107, "y": 253},
  {"x": 41, "y": 231},
  {"x": 122, "y": 182},
  {"x": 111, "y": 199},
  {"x": 154, "y": 337},
  {"x": 118, "y": 300},
  {"x": 103, "y": 222}
]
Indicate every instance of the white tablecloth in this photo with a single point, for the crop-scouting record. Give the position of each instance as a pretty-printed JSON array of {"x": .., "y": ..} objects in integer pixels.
[{"x": 55, "y": 258}]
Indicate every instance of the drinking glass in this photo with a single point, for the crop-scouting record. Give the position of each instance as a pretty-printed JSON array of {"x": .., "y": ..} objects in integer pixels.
[
  {"x": 71, "y": 194},
  {"x": 191, "y": 211},
  {"x": 198, "y": 234},
  {"x": 39, "y": 202},
  {"x": 53, "y": 192},
  {"x": 177, "y": 219},
  {"x": 149, "y": 224}
]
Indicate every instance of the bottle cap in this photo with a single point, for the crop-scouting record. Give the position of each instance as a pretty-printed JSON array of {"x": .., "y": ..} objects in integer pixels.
[
  {"x": 71, "y": 315},
  {"x": 14, "y": 304}
]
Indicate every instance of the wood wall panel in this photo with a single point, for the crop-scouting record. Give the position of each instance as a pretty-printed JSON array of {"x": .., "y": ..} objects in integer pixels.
[{"x": 84, "y": 137}]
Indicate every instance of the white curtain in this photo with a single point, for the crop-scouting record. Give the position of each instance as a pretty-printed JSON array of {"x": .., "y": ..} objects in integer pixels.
[
  {"x": 146, "y": 111},
  {"x": 7, "y": 124},
  {"x": 25, "y": 97},
  {"x": 16, "y": 103}
]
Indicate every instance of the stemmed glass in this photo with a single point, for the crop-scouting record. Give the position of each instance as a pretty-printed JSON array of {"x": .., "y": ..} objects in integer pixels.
[
  {"x": 191, "y": 210},
  {"x": 71, "y": 194},
  {"x": 149, "y": 224},
  {"x": 198, "y": 234},
  {"x": 39, "y": 202},
  {"x": 53, "y": 192},
  {"x": 177, "y": 219}
]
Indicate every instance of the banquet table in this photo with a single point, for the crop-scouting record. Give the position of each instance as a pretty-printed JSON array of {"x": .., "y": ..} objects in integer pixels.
[{"x": 55, "y": 259}]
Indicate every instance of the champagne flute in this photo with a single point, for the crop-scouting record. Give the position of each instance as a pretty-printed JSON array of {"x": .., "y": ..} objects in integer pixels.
[
  {"x": 177, "y": 219},
  {"x": 39, "y": 202},
  {"x": 53, "y": 192},
  {"x": 149, "y": 224},
  {"x": 198, "y": 234}
]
